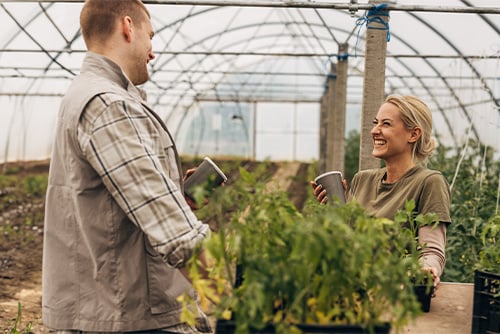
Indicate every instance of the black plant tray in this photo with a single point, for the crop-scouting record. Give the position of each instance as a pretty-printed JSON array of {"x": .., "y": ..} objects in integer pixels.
[
  {"x": 424, "y": 295},
  {"x": 229, "y": 327},
  {"x": 486, "y": 311}
]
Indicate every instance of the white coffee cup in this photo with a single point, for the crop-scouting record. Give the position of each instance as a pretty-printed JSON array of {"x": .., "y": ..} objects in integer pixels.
[
  {"x": 332, "y": 182},
  {"x": 207, "y": 173}
]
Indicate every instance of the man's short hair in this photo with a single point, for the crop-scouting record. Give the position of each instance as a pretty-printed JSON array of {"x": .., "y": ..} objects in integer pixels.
[{"x": 98, "y": 18}]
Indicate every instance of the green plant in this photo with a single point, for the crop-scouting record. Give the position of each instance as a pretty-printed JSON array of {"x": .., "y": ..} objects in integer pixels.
[
  {"x": 423, "y": 284},
  {"x": 410, "y": 223},
  {"x": 474, "y": 174},
  {"x": 17, "y": 322},
  {"x": 35, "y": 185},
  {"x": 489, "y": 255},
  {"x": 11, "y": 170},
  {"x": 351, "y": 156},
  {"x": 326, "y": 265}
]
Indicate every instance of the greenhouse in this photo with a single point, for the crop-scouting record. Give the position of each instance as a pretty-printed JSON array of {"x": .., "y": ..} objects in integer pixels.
[
  {"x": 251, "y": 72},
  {"x": 278, "y": 89}
]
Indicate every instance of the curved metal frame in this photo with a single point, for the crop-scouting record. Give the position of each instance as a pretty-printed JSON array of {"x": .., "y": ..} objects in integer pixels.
[{"x": 303, "y": 28}]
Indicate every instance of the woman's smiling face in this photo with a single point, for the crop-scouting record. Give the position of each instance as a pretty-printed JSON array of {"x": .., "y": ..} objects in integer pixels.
[{"x": 390, "y": 135}]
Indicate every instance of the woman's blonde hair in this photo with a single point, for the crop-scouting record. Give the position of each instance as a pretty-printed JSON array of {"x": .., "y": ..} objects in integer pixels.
[{"x": 415, "y": 113}]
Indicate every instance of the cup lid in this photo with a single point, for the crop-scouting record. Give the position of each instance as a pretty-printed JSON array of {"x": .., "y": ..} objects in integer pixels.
[
  {"x": 219, "y": 171},
  {"x": 328, "y": 173}
]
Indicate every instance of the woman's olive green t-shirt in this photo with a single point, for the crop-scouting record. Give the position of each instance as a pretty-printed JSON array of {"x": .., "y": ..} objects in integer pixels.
[{"x": 430, "y": 192}]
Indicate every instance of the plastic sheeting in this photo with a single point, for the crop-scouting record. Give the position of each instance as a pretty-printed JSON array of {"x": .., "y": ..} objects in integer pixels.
[{"x": 253, "y": 76}]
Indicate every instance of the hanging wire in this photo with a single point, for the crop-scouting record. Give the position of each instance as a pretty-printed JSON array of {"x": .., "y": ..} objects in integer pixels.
[
  {"x": 34, "y": 40},
  {"x": 498, "y": 198},
  {"x": 483, "y": 165},
  {"x": 464, "y": 152},
  {"x": 498, "y": 123},
  {"x": 314, "y": 34},
  {"x": 479, "y": 170},
  {"x": 7, "y": 139}
]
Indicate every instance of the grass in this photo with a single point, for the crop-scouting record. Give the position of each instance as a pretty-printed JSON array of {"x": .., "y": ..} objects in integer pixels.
[{"x": 17, "y": 323}]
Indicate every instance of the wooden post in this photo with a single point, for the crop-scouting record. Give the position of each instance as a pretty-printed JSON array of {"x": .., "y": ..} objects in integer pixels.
[
  {"x": 254, "y": 132},
  {"x": 330, "y": 125},
  {"x": 374, "y": 82},
  {"x": 323, "y": 123},
  {"x": 339, "y": 110}
]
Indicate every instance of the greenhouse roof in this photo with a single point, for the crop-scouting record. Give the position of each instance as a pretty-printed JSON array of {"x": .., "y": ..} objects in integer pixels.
[{"x": 244, "y": 52}]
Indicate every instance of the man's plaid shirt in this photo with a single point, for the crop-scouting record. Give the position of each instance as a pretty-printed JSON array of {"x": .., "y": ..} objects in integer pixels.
[{"x": 137, "y": 162}]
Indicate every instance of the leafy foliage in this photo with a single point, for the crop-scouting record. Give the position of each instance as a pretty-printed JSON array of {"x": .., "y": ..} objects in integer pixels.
[
  {"x": 489, "y": 255},
  {"x": 351, "y": 159},
  {"x": 35, "y": 185},
  {"x": 411, "y": 223},
  {"x": 21, "y": 197},
  {"x": 323, "y": 265},
  {"x": 474, "y": 175}
]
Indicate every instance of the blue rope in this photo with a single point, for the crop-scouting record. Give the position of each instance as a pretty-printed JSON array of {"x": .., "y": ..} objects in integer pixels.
[
  {"x": 373, "y": 15},
  {"x": 340, "y": 57},
  {"x": 343, "y": 56}
]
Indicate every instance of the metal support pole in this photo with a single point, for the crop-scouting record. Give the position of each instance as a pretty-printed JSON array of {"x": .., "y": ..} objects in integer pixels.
[
  {"x": 351, "y": 7},
  {"x": 260, "y": 54}
]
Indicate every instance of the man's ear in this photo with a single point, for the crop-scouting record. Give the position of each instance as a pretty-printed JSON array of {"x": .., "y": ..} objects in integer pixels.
[
  {"x": 416, "y": 132},
  {"x": 127, "y": 26}
]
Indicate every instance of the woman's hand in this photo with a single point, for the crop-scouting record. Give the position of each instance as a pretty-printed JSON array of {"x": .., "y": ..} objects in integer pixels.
[
  {"x": 435, "y": 278},
  {"x": 319, "y": 192}
]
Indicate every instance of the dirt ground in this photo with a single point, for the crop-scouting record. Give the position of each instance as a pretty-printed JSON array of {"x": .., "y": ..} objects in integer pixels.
[
  {"x": 21, "y": 236},
  {"x": 21, "y": 227}
]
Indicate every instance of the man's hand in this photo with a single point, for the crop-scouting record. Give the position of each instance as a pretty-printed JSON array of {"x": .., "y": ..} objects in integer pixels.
[
  {"x": 188, "y": 173},
  {"x": 189, "y": 201}
]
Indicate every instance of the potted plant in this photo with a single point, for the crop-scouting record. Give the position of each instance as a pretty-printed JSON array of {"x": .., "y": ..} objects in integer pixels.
[
  {"x": 423, "y": 285},
  {"x": 326, "y": 269},
  {"x": 486, "y": 309}
]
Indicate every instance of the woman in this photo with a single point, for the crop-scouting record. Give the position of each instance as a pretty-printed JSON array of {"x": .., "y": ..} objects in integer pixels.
[{"x": 402, "y": 138}]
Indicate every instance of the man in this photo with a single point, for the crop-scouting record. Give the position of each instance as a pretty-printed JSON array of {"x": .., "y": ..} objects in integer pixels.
[{"x": 118, "y": 229}]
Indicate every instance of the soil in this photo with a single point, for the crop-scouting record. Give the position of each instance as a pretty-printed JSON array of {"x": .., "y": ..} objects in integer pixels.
[{"x": 21, "y": 236}]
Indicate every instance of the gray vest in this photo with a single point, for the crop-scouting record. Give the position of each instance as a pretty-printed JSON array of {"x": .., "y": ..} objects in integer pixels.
[{"x": 100, "y": 272}]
